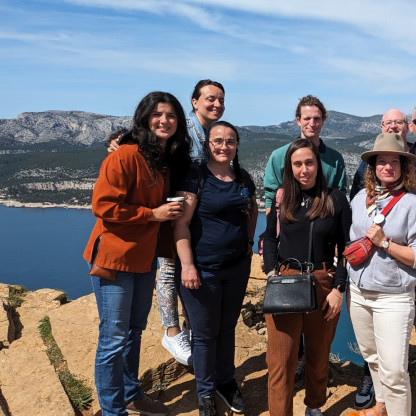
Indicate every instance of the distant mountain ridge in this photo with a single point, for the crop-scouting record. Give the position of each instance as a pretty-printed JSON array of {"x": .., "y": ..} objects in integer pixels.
[
  {"x": 83, "y": 128},
  {"x": 55, "y": 156}
]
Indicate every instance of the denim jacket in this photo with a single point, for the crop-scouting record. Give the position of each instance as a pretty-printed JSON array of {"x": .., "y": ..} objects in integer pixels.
[{"x": 197, "y": 134}]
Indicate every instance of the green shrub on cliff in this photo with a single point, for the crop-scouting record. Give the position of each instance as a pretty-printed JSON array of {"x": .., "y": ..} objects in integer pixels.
[{"x": 78, "y": 393}]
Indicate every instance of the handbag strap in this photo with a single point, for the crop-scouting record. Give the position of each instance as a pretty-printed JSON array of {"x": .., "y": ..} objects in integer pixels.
[
  {"x": 309, "y": 266},
  {"x": 393, "y": 202},
  {"x": 279, "y": 199}
]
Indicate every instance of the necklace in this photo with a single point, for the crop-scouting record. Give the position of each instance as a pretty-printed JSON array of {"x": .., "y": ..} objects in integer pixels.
[{"x": 305, "y": 201}]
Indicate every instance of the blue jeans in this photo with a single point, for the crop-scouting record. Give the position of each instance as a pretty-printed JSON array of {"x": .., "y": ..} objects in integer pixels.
[
  {"x": 213, "y": 310},
  {"x": 123, "y": 308}
]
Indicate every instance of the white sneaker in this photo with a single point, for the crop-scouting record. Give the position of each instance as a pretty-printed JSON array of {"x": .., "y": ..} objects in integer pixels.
[{"x": 179, "y": 347}]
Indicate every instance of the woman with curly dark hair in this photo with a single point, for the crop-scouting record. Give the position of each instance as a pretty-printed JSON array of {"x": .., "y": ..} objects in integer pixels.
[{"x": 129, "y": 203}]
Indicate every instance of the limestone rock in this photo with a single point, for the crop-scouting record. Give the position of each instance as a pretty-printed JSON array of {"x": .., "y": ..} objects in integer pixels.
[
  {"x": 76, "y": 127},
  {"x": 81, "y": 127},
  {"x": 28, "y": 381},
  {"x": 30, "y": 386},
  {"x": 75, "y": 329},
  {"x": 7, "y": 329}
]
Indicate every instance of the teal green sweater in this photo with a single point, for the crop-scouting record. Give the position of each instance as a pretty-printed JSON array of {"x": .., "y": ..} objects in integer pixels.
[{"x": 333, "y": 167}]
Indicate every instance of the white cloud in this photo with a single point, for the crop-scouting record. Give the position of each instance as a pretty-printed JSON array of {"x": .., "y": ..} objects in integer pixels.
[
  {"x": 266, "y": 50},
  {"x": 392, "y": 22},
  {"x": 150, "y": 6},
  {"x": 34, "y": 37}
]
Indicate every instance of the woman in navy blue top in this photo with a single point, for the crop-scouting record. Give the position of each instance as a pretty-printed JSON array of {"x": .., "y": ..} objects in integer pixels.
[{"x": 214, "y": 239}]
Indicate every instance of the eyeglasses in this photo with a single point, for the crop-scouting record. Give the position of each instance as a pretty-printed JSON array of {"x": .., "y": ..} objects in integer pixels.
[
  {"x": 219, "y": 142},
  {"x": 388, "y": 123}
]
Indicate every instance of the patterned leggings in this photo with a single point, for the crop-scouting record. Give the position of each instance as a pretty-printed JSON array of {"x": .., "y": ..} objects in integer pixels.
[{"x": 166, "y": 294}]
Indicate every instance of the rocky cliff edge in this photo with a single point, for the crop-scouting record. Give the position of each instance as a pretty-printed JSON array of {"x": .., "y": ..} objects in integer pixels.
[{"x": 31, "y": 385}]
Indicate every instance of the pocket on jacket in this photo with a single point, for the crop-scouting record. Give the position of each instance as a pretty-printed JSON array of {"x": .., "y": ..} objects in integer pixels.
[{"x": 387, "y": 273}]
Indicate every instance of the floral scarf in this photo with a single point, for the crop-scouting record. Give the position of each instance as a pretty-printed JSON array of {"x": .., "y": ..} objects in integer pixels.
[{"x": 380, "y": 193}]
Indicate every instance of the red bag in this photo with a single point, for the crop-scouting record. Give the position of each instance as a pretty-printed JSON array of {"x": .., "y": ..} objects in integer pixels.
[{"x": 358, "y": 251}]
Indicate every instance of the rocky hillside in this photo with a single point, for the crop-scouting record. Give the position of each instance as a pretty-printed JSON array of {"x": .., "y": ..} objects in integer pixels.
[
  {"x": 75, "y": 127},
  {"x": 82, "y": 128},
  {"x": 54, "y": 156},
  {"x": 31, "y": 385}
]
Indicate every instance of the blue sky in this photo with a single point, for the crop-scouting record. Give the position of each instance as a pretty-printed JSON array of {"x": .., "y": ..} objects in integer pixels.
[{"x": 103, "y": 56}]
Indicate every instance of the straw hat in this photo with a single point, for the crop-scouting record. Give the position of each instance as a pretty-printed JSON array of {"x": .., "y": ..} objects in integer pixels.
[{"x": 388, "y": 143}]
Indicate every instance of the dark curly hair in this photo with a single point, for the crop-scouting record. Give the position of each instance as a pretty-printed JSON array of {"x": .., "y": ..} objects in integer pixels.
[
  {"x": 114, "y": 135},
  {"x": 175, "y": 157}
]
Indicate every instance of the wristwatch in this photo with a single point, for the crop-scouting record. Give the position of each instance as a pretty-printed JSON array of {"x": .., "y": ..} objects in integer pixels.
[
  {"x": 385, "y": 244},
  {"x": 340, "y": 287}
]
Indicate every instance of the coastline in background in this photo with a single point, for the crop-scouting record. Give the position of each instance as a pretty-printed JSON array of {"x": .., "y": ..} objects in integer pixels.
[{"x": 16, "y": 204}]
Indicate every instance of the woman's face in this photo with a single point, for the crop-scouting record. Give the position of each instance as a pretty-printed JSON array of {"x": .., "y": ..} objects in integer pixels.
[
  {"x": 388, "y": 168},
  {"x": 209, "y": 107},
  {"x": 163, "y": 122},
  {"x": 304, "y": 167},
  {"x": 222, "y": 144}
]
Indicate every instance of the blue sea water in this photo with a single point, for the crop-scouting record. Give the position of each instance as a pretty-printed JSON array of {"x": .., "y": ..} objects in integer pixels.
[{"x": 42, "y": 248}]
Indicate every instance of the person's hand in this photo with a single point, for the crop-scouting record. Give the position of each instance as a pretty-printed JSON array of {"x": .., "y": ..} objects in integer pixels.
[
  {"x": 375, "y": 234},
  {"x": 114, "y": 144},
  {"x": 168, "y": 211},
  {"x": 190, "y": 277},
  {"x": 334, "y": 304}
]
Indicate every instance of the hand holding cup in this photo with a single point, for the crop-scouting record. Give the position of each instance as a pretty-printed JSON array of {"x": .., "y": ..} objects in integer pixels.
[{"x": 178, "y": 206}]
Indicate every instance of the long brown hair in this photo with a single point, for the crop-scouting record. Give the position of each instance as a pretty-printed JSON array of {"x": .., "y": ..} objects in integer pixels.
[
  {"x": 407, "y": 173},
  {"x": 322, "y": 205}
]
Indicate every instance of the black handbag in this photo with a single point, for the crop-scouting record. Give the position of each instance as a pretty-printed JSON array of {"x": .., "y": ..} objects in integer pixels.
[{"x": 292, "y": 293}]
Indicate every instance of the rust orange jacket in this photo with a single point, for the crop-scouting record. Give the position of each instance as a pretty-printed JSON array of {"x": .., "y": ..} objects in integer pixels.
[{"x": 123, "y": 197}]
